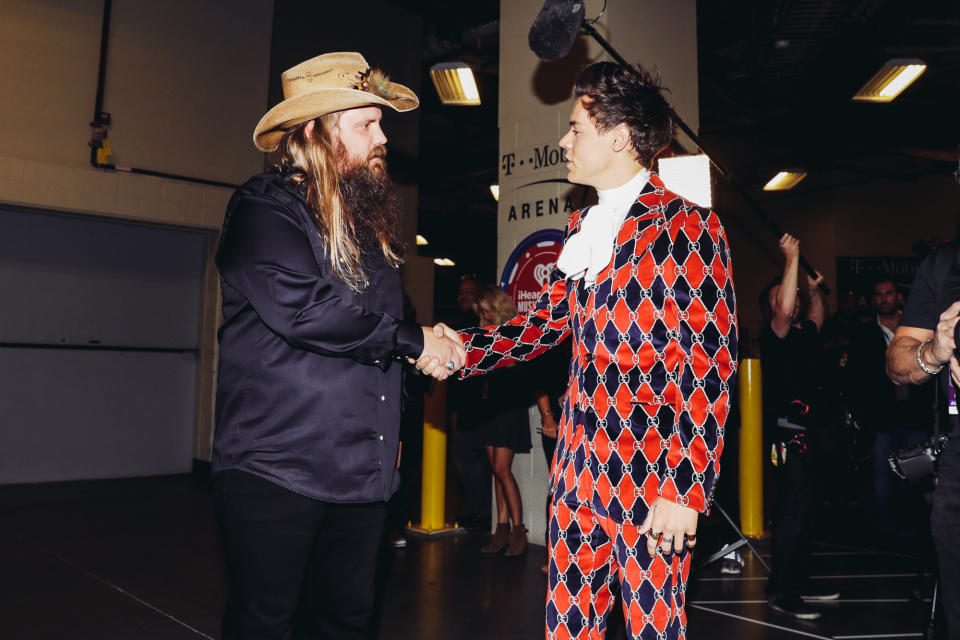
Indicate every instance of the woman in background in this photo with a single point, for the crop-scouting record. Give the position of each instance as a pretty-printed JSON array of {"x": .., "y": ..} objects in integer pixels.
[{"x": 504, "y": 428}]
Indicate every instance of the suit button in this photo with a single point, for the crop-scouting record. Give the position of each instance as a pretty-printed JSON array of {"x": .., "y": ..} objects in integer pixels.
[
  {"x": 383, "y": 398},
  {"x": 381, "y": 437},
  {"x": 376, "y": 362}
]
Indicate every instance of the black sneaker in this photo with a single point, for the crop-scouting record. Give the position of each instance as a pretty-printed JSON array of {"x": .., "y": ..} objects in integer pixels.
[
  {"x": 732, "y": 564},
  {"x": 793, "y": 606},
  {"x": 813, "y": 594}
]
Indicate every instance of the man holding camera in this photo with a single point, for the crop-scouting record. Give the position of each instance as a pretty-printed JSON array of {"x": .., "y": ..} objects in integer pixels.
[{"x": 925, "y": 346}]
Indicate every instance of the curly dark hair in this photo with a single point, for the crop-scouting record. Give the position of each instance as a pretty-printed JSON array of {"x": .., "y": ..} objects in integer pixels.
[{"x": 615, "y": 94}]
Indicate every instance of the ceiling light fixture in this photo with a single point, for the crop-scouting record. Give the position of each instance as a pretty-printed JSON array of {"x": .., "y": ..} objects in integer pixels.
[
  {"x": 892, "y": 78},
  {"x": 495, "y": 190},
  {"x": 455, "y": 83},
  {"x": 444, "y": 262},
  {"x": 786, "y": 179},
  {"x": 421, "y": 241},
  {"x": 688, "y": 176}
]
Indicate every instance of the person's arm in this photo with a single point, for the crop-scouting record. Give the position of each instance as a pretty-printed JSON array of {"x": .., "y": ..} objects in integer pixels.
[
  {"x": 817, "y": 312},
  {"x": 705, "y": 341},
  {"x": 786, "y": 297},
  {"x": 266, "y": 256},
  {"x": 548, "y": 421},
  {"x": 527, "y": 335},
  {"x": 933, "y": 347},
  {"x": 918, "y": 324}
]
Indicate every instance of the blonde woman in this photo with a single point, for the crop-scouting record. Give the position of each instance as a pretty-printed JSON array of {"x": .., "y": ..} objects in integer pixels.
[{"x": 504, "y": 428}]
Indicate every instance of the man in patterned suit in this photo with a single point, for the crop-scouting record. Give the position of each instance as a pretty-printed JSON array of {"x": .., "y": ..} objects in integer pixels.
[{"x": 644, "y": 284}]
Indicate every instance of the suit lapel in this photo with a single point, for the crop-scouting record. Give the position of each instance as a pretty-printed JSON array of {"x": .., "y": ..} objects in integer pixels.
[{"x": 645, "y": 218}]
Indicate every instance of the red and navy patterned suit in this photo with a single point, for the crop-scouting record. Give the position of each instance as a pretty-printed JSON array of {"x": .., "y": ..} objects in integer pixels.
[{"x": 654, "y": 355}]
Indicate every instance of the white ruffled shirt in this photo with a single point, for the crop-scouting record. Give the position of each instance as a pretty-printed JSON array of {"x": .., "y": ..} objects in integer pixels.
[{"x": 589, "y": 251}]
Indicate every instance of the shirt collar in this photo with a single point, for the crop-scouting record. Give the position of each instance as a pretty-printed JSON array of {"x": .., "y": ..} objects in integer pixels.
[
  {"x": 625, "y": 194},
  {"x": 887, "y": 333}
]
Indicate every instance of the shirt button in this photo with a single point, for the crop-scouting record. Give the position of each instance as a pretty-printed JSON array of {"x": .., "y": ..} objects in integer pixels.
[
  {"x": 383, "y": 398},
  {"x": 381, "y": 437},
  {"x": 376, "y": 362}
]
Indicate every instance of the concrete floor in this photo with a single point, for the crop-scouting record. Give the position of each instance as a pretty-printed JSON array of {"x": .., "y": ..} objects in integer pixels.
[{"x": 140, "y": 559}]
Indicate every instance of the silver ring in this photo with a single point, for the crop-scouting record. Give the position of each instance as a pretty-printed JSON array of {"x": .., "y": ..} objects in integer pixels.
[
  {"x": 451, "y": 366},
  {"x": 667, "y": 540}
]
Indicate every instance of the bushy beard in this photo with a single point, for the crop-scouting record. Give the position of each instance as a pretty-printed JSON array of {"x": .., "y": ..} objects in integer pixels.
[{"x": 373, "y": 205}]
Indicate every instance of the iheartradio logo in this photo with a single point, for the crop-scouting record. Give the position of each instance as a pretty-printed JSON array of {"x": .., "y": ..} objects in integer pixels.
[{"x": 541, "y": 273}]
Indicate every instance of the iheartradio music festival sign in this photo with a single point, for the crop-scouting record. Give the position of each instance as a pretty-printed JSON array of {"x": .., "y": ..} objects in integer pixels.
[{"x": 528, "y": 267}]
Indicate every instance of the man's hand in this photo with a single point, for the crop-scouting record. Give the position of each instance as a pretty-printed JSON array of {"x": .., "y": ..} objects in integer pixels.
[
  {"x": 441, "y": 346},
  {"x": 813, "y": 283},
  {"x": 941, "y": 349},
  {"x": 790, "y": 246},
  {"x": 666, "y": 525}
]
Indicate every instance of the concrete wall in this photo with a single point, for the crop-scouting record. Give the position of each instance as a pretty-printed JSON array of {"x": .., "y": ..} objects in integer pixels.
[
  {"x": 185, "y": 84},
  {"x": 535, "y": 102}
]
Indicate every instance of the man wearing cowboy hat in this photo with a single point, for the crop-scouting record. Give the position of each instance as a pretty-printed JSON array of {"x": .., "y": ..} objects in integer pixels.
[{"x": 311, "y": 349}]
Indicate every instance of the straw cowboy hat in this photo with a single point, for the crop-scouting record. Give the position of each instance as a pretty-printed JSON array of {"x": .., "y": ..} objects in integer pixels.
[{"x": 330, "y": 82}]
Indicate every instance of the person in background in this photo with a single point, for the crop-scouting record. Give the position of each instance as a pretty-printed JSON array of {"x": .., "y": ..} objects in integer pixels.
[
  {"x": 503, "y": 428},
  {"x": 897, "y": 415},
  {"x": 466, "y": 296},
  {"x": 469, "y": 459},
  {"x": 790, "y": 353}
]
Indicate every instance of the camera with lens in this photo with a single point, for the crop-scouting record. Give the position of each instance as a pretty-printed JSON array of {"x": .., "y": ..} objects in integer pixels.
[{"x": 919, "y": 461}]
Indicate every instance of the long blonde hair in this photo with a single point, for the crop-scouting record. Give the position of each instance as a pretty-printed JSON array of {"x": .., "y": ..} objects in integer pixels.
[
  {"x": 494, "y": 300},
  {"x": 311, "y": 163}
]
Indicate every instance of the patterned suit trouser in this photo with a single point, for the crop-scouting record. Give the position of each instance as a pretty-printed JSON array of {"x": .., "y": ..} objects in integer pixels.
[{"x": 588, "y": 554}]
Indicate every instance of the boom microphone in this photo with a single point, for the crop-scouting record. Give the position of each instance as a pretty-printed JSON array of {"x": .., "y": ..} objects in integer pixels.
[{"x": 555, "y": 28}]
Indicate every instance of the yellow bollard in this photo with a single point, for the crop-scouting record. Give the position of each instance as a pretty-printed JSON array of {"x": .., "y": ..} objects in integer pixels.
[
  {"x": 433, "y": 490},
  {"x": 751, "y": 448}
]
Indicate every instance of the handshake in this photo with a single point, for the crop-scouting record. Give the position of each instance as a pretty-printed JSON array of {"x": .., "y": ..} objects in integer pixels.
[{"x": 443, "y": 353}]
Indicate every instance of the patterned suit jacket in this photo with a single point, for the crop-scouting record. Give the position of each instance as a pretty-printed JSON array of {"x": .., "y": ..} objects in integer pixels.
[{"x": 654, "y": 357}]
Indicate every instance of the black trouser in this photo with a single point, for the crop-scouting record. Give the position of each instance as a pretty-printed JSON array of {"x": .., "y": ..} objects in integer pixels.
[
  {"x": 473, "y": 472},
  {"x": 284, "y": 550},
  {"x": 945, "y": 523},
  {"x": 793, "y": 520}
]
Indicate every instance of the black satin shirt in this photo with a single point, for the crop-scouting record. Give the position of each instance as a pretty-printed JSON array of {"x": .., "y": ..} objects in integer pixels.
[{"x": 309, "y": 382}]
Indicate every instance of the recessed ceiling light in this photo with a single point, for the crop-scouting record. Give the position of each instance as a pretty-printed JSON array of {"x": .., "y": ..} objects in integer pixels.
[
  {"x": 784, "y": 180},
  {"x": 455, "y": 83},
  {"x": 892, "y": 78},
  {"x": 495, "y": 190},
  {"x": 421, "y": 241},
  {"x": 444, "y": 262}
]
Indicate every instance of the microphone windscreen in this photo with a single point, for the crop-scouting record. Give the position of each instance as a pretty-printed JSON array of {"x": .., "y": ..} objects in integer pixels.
[{"x": 555, "y": 28}]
